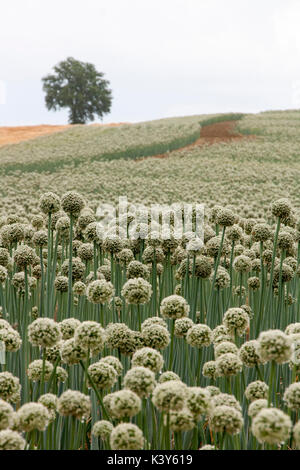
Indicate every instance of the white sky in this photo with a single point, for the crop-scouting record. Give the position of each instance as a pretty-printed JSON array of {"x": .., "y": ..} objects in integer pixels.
[{"x": 162, "y": 57}]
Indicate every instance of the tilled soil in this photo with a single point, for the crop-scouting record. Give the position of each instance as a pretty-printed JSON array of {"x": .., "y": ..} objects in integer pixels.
[
  {"x": 13, "y": 135},
  {"x": 218, "y": 132}
]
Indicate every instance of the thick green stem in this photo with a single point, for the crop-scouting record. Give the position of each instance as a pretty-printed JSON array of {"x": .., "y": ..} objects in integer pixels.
[{"x": 70, "y": 267}]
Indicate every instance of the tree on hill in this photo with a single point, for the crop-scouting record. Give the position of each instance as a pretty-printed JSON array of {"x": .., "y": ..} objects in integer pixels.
[{"x": 78, "y": 86}]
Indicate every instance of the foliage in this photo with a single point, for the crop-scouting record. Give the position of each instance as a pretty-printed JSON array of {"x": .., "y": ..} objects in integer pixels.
[{"x": 78, "y": 86}]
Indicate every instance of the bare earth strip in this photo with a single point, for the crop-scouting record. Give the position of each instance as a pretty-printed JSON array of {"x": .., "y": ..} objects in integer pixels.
[
  {"x": 220, "y": 132},
  {"x": 13, "y": 135}
]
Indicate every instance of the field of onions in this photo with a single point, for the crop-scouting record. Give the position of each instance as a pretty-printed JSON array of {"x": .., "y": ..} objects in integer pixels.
[
  {"x": 80, "y": 144},
  {"x": 147, "y": 338},
  {"x": 246, "y": 175}
]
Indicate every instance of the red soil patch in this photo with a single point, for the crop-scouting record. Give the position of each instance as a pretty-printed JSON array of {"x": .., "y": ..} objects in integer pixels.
[
  {"x": 13, "y": 135},
  {"x": 218, "y": 132}
]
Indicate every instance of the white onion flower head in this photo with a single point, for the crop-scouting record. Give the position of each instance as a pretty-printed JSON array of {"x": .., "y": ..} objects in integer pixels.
[
  {"x": 221, "y": 399},
  {"x": 49, "y": 400},
  {"x": 124, "y": 404},
  {"x": 248, "y": 353},
  {"x": 199, "y": 335},
  {"x": 156, "y": 336},
  {"x": 236, "y": 321},
  {"x": 181, "y": 420},
  {"x": 210, "y": 370},
  {"x": 102, "y": 429},
  {"x": 126, "y": 436},
  {"x": 168, "y": 375},
  {"x": 72, "y": 353},
  {"x": 256, "y": 390},
  {"x": 61, "y": 374},
  {"x": 74, "y": 403},
  {"x": 114, "y": 362},
  {"x": 33, "y": 416},
  {"x": 148, "y": 357},
  {"x": 274, "y": 345},
  {"x": 182, "y": 326},
  {"x": 44, "y": 332},
  {"x": 228, "y": 364},
  {"x": 9, "y": 385},
  {"x": 169, "y": 395},
  {"x": 198, "y": 401},
  {"x": 103, "y": 374},
  {"x": 11, "y": 339},
  {"x": 174, "y": 307},
  {"x": 49, "y": 203},
  {"x": 222, "y": 278},
  {"x": 137, "y": 291},
  {"x": 222, "y": 338},
  {"x": 107, "y": 401},
  {"x": 292, "y": 328},
  {"x": 4, "y": 324},
  {"x": 281, "y": 208},
  {"x": 6, "y": 415},
  {"x": 256, "y": 406},
  {"x": 140, "y": 380},
  {"x": 242, "y": 264},
  {"x": 35, "y": 370},
  {"x": 53, "y": 353},
  {"x": 11, "y": 440},
  {"x": 226, "y": 419},
  {"x": 224, "y": 348},
  {"x": 292, "y": 396},
  {"x": 153, "y": 321},
  {"x": 72, "y": 203},
  {"x": 100, "y": 291},
  {"x": 79, "y": 288},
  {"x": 117, "y": 335},
  {"x": 218, "y": 331},
  {"x": 90, "y": 335},
  {"x": 68, "y": 327},
  {"x": 194, "y": 246},
  {"x": 272, "y": 426}
]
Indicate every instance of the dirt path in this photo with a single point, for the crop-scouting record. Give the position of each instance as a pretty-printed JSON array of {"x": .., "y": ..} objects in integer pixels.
[
  {"x": 224, "y": 131},
  {"x": 213, "y": 133},
  {"x": 13, "y": 135}
]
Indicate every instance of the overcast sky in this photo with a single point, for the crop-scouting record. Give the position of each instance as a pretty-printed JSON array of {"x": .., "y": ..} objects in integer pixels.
[{"x": 162, "y": 57}]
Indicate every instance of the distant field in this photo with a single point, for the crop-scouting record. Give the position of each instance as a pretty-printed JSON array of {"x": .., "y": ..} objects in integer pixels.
[
  {"x": 100, "y": 163},
  {"x": 88, "y": 143}
]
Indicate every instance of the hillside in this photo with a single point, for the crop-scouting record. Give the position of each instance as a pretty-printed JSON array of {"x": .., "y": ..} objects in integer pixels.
[{"x": 105, "y": 163}]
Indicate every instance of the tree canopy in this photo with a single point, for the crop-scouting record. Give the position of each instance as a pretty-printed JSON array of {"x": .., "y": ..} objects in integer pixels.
[{"x": 81, "y": 88}]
